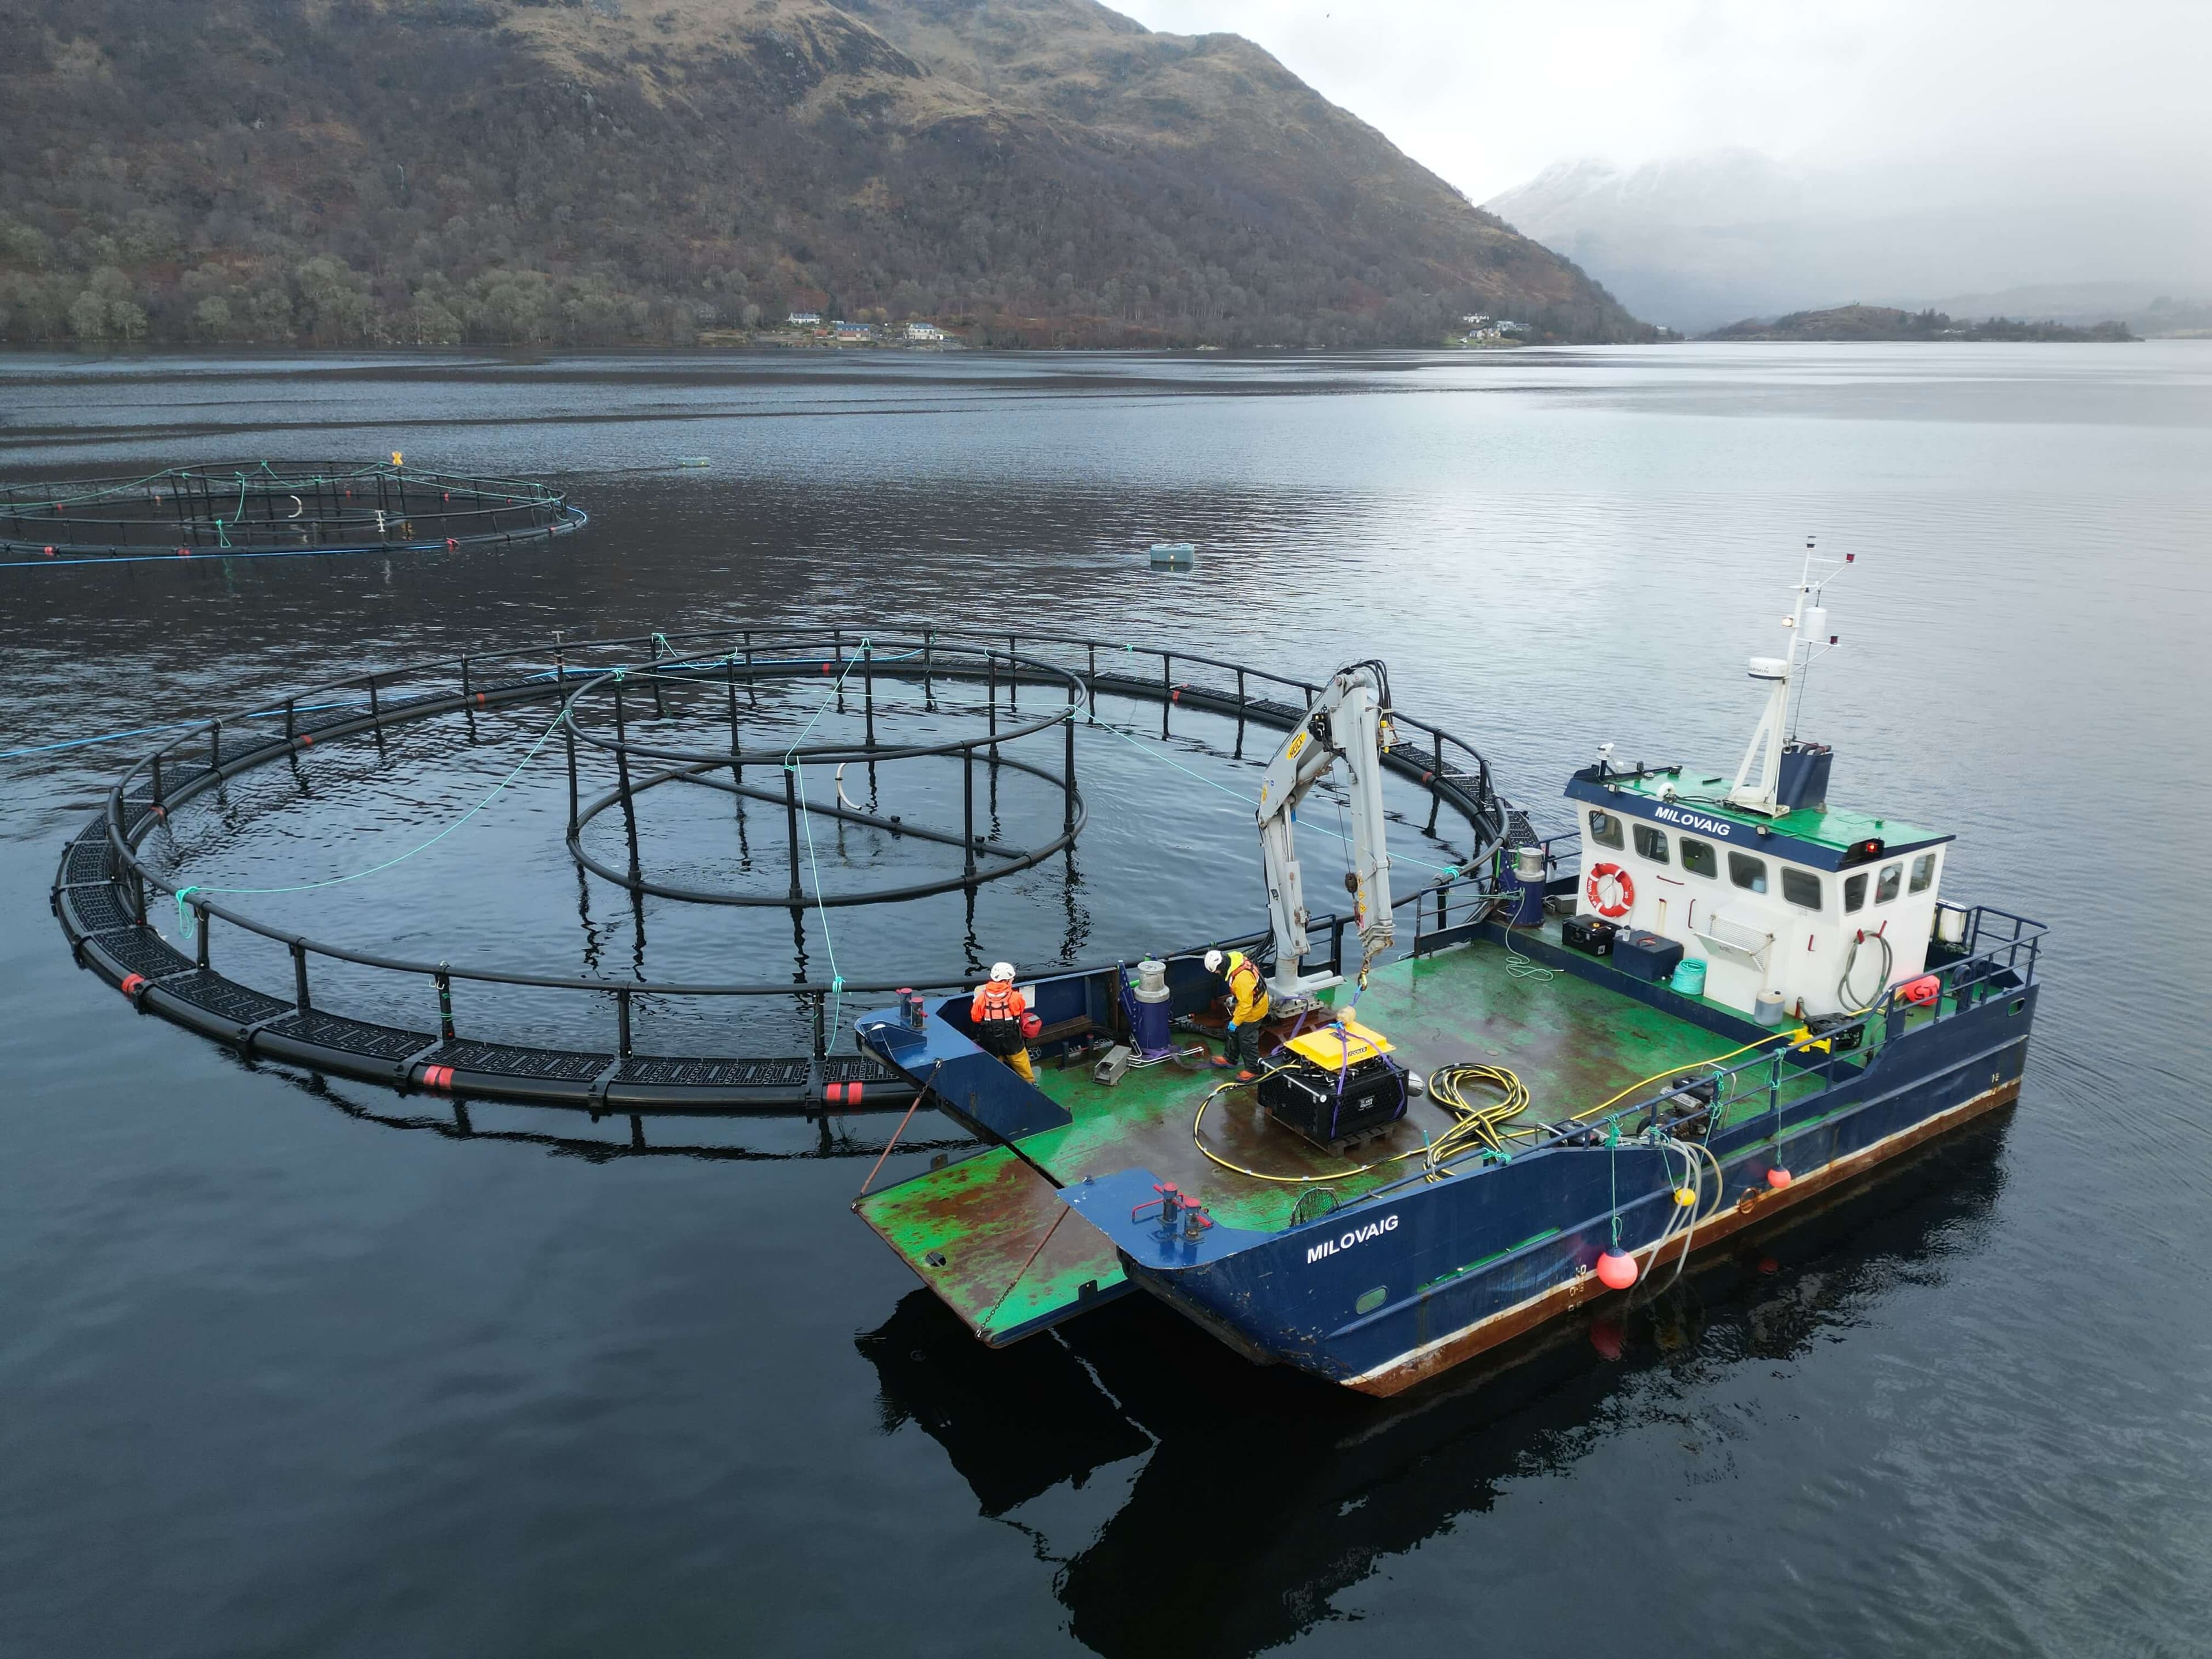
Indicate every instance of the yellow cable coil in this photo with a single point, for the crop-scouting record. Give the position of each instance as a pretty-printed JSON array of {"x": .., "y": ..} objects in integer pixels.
[{"x": 1475, "y": 1126}]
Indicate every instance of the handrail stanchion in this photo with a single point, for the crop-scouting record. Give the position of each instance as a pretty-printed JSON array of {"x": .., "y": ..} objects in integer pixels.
[
  {"x": 622, "y": 1021},
  {"x": 444, "y": 981},
  {"x": 299, "y": 975}
]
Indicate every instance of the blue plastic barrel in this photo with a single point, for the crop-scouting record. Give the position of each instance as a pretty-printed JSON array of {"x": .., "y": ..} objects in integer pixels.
[{"x": 1689, "y": 977}]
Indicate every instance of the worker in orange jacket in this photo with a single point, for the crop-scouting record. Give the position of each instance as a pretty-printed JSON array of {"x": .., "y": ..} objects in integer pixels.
[{"x": 998, "y": 1014}]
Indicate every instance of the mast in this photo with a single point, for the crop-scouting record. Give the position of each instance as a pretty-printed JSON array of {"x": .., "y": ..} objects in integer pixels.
[{"x": 1805, "y": 633}]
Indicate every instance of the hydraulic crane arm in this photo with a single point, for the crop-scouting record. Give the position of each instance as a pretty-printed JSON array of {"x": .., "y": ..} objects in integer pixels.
[{"x": 1349, "y": 721}]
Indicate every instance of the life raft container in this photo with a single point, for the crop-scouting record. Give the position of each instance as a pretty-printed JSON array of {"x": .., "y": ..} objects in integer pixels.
[{"x": 1622, "y": 886}]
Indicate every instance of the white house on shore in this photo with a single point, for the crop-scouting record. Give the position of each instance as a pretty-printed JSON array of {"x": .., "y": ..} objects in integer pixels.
[
  {"x": 924, "y": 333},
  {"x": 803, "y": 319}
]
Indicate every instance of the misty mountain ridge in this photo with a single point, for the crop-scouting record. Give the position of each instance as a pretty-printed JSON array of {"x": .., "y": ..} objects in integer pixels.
[
  {"x": 1890, "y": 323},
  {"x": 1035, "y": 172},
  {"x": 1700, "y": 241}
]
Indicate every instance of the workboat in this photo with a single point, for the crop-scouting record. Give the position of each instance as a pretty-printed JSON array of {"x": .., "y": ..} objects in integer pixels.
[{"x": 1715, "y": 997}]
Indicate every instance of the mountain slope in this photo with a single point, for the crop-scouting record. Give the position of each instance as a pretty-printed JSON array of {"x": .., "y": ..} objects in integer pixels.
[{"x": 1049, "y": 172}]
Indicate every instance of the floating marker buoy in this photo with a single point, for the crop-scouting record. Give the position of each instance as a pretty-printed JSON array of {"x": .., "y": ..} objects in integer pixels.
[
  {"x": 1607, "y": 1338},
  {"x": 50, "y": 552},
  {"x": 1684, "y": 1197},
  {"x": 1617, "y": 1268},
  {"x": 1778, "y": 1179},
  {"x": 1767, "y": 1264}
]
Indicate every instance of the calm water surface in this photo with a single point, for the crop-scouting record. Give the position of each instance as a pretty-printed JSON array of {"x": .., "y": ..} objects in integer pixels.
[{"x": 285, "y": 1368}]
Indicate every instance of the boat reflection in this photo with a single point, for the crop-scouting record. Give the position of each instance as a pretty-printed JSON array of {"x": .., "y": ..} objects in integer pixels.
[{"x": 1173, "y": 1433}]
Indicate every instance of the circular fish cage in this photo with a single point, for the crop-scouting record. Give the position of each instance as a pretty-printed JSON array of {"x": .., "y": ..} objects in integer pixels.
[
  {"x": 267, "y": 508},
  {"x": 958, "y": 716}
]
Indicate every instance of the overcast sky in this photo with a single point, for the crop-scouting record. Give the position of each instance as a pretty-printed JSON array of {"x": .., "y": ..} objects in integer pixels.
[{"x": 1992, "y": 92}]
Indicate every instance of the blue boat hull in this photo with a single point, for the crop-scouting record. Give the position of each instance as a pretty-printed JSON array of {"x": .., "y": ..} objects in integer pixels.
[{"x": 1379, "y": 1296}]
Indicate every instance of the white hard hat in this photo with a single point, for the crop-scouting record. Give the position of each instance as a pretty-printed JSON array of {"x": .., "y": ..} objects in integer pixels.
[
  {"x": 1002, "y": 970},
  {"x": 1214, "y": 961}
]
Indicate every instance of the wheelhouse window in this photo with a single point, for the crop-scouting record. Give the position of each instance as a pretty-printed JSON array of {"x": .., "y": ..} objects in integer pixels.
[
  {"x": 1923, "y": 873},
  {"x": 1886, "y": 885},
  {"x": 1854, "y": 892},
  {"x": 1698, "y": 858},
  {"x": 1652, "y": 844},
  {"x": 1800, "y": 887},
  {"x": 1605, "y": 829},
  {"x": 1747, "y": 873}
]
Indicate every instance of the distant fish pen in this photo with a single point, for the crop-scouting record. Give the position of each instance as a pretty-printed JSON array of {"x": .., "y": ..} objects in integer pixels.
[{"x": 268, "y": 509}]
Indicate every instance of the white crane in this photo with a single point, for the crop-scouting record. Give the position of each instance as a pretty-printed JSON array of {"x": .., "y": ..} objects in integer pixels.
[{"x": 1349, "y": 721}]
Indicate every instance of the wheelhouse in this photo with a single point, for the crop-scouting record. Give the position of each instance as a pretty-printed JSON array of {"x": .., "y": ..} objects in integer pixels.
[{"x": 1825, "y": 907}]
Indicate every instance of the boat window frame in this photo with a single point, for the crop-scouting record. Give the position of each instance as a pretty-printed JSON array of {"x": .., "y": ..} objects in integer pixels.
[
  {"x": 1791, "y": 873},
  {"x": 1652, "y": 844},
  {"x": 1692, "y": 849},
  {"x": 1740, "y": 864},
  {"x": 1617, "y": 841},
  {"x": 1889, "y": 883},
  {"x": 1855, "y": 892},
  {"x": 1923, "y": 874}
]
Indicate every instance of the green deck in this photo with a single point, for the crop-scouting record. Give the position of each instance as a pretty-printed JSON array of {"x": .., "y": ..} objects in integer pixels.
[
  {"x": 1009, "y": 1264},
  {"x": 1572, "y": 1042}
]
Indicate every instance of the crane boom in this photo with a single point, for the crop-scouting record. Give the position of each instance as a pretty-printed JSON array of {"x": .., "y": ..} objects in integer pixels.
[{"x": 1349, "y": 721}]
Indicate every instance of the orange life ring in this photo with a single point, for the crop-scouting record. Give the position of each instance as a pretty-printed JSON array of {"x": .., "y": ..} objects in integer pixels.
[{"x": 1624, "y": 886}]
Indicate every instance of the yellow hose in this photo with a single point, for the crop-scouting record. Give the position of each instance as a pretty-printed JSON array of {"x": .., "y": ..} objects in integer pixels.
[{"x": 1476, "y": 1124}]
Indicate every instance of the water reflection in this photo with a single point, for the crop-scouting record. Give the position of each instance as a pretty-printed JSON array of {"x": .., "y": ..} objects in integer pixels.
[{"x": 1253, "y": 1496}]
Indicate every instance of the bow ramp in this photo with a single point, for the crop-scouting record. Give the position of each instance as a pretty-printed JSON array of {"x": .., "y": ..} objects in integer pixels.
[{"x": 989, "y": 1234}]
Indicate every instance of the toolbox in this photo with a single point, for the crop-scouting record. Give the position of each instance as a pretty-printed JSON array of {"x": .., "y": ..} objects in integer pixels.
[
  {"x": 1646, "y": 957},
  {"x": 1592, "y": 935}
]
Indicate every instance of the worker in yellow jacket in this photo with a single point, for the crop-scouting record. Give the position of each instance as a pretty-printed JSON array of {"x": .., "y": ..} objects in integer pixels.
[{"x": 1247, "y": 1010}]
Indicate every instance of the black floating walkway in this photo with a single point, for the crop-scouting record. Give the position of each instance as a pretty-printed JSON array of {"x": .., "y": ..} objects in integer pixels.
[{"x": 106, "y": 936}]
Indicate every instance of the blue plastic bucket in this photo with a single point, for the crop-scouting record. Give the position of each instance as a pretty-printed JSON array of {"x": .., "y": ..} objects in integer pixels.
[{"x": 1689, "y": 977}]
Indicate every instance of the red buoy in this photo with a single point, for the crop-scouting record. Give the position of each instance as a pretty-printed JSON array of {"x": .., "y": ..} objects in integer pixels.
[
  {"x": 1607, "y": 1338},
  {"x": 1617, "y": 1269},
  {"x": 1767, "y": 1264},
  {"x": 50, "y": 552},
  {"x": 1778, "y": 1179}
]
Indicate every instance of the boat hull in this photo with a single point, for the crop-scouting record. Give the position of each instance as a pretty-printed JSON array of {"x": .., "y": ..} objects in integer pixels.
[{"x": 1382, "y": 1296}]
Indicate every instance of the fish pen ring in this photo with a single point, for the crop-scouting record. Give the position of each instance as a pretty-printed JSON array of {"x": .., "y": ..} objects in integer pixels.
[
  {"x": 925, "y": 660},
  {"x": 108, "y": 894},
  {"x": 264, "y": 509}
]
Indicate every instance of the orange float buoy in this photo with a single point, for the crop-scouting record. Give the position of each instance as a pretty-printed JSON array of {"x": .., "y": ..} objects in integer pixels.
[
  {"x": 1617, "y": 1269},
  {"x": 1607, "y": 1338},
  {"x": 1778, "y": 1179},
  {"x": 1767, "y": 1264}
]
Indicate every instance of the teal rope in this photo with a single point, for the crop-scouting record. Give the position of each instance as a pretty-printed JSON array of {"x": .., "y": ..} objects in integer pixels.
[
  {"x": 1613, "y": 1151},
  {"x": 806, "y": 826},
  {"x": 183, "y": 912}
]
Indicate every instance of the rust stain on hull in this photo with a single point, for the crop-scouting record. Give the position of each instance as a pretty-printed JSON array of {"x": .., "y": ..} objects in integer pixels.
[{"x": 1753, "y": 1205}]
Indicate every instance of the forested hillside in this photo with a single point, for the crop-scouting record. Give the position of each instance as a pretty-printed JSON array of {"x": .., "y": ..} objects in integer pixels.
[{"x": 544, "y": 171}]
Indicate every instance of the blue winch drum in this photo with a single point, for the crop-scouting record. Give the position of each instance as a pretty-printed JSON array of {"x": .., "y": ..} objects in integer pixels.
[
  {"x": 1524, "y": 900},
  {"x": 1149, "y": 1023}
]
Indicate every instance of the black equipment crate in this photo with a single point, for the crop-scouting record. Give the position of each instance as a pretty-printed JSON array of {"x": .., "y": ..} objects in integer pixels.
[
  {"x": 1592, "y": 935},
  {"x": 1844, "y": 1031},
  {"x": 1305, "y": 1099},
  {"x": 1645, "y": 955}
]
